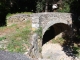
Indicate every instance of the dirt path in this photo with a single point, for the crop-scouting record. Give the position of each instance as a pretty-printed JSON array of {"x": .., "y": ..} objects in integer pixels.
[{"x": 54, "y": 52}]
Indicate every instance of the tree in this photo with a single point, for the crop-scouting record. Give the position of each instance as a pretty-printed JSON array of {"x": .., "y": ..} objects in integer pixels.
[
  {"x": 65, "y": 6},
  {"x": 13, "y": 6},
  {"x": 40, "y": 5},
  {"x": 3, "y": 12},
  {"x": 75, "y": 10},
  {"x": 46, "y": 5}
]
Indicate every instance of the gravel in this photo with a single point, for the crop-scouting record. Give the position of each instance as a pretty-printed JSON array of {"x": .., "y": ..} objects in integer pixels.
[{"x": 4, "y": 55}]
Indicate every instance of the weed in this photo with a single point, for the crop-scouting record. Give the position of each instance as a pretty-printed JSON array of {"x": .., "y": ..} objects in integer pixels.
[
  {"x": 58, "y": 40},
  {"x": 2, "y": 38},
  {"x": 39, "y": 32},
  {"x": 2, "y": 28},
  {"x": 17, "y": 36},
  {"x": 18, "y": 39},
  {"x": 9, "y": 14},
  {"x": 15, "y": 46},
  {"x": 13, "y": 25}
]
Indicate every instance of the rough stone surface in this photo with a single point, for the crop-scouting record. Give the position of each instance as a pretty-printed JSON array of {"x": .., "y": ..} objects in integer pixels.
[
  {"x": 50, "y": 19},
  {"x": 35, "y": 20},
  {"x": 33, "y": 52},
  {"x": 44, "y": 20},
  {"x": 47, "y": 19},
  {"x": 17, "y": 18},
  {"x": 12, "y": 56}
]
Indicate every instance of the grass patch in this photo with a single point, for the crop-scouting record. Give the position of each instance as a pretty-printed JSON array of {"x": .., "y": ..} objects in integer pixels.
[
  {"x": 2, "y": 28},
  {"x": 15, "y": 46},
  {"x": 2, "y": 38},
  {"x": 58, "y": 40},
  {"x": 13, "y": 25},
  {"x": 9, "y": 14},
  {"x": 19, "y": 41},
  {"x": 17, "y": 36}
]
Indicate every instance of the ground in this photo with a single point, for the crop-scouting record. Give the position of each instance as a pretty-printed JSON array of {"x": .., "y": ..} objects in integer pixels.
[
  {"x": 54, "y": 51},
  {"x": 15, "y": 38}
]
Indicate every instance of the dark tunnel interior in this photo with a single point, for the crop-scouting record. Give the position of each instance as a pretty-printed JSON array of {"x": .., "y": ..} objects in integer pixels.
[
  {"x": 49, "y": 34},
  {"x": 53, "y": 31}
]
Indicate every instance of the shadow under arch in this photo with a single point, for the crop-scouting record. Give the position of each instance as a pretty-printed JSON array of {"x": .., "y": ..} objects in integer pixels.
[
  {"x": 53, "y": 31},
  {"x": 3, "y": 19}
]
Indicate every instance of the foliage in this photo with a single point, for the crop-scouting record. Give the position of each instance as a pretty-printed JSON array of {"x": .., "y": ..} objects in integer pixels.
[
  {"x": 59, "y": 40},
  {"x": 40, "y": 5},
  {"x": 65, "y": 6},
  {"x": 39, "y": 32},
  {"x": 12, "y": 6},
  {"x": 9, "y": 14}
]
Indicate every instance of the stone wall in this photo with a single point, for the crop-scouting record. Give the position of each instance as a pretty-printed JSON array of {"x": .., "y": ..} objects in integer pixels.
[
  {"x": 16, "y": 18},
  {"x": 44, "y": 20}
]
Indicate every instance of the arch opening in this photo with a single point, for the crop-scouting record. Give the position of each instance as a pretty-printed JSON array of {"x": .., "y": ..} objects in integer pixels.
[{"x": 53, "y": 31}]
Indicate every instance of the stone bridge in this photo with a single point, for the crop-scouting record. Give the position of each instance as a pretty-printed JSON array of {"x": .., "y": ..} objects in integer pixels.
[
  {"x": 51, "y": 23},
  {"x": 47, "y": 19}
]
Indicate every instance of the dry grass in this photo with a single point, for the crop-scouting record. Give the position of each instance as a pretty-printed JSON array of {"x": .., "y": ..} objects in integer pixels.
[{"x": 17, "y": 36}]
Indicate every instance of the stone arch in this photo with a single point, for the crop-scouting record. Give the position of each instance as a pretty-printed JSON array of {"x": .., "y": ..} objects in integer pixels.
[
  {"x": 48, "y": 19},
  {"x": 53, "y": 30},
  {"x": 50, "y": 24}
]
